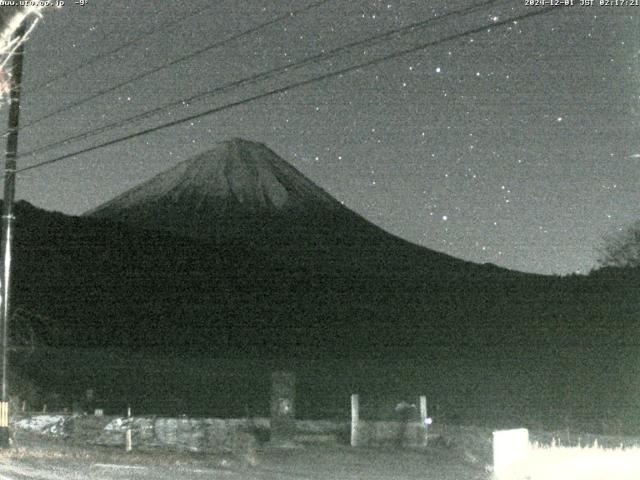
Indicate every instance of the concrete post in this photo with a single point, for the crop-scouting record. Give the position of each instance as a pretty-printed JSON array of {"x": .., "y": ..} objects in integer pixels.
[
  {"x": 283, "y": 388},
  {"x": 355, "y": 420},
  {"x": 423, "y": 418},
  {"x": 128, "y": 439}
]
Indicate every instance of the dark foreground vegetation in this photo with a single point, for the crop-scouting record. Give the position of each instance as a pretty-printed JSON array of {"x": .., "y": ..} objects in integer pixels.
[{"x": 171, "y": 324}]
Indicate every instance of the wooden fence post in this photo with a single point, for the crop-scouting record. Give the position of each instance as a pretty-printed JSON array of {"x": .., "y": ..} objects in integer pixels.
[{"x": 355, "y": 420}]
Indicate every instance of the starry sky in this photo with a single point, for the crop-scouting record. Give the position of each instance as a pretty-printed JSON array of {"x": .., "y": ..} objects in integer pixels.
[{"x": 516, "y": 145}]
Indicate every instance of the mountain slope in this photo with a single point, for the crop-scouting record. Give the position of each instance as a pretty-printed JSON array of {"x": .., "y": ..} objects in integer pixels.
[
  {"x": 267, "y": 257},
  {"x": 241, "y": 251},
  {"x": 104, "y": 284},
  {"x": 242, "y": 193}
]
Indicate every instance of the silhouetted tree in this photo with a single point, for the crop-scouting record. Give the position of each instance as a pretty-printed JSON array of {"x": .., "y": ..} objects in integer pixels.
[{"x": 622, "y": 248}]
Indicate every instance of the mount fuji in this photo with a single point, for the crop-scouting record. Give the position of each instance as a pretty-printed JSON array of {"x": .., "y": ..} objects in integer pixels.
[
  {"x": 241, "y": 193},
  {"x": 237, "y": 249}
]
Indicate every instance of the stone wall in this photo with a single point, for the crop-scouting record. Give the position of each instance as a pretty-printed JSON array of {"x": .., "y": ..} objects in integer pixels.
[
  {"x": 183, "y": 434},
  {"x": 208, "y": 434},
  {"x": 391, "y": 433}
]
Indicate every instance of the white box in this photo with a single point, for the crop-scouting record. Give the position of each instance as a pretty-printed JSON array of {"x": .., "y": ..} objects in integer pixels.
[{"x": 509, "y": 446}]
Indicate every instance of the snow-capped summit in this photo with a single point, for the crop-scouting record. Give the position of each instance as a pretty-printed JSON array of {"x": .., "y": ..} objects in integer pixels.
[{"x": 238, "y": 180}]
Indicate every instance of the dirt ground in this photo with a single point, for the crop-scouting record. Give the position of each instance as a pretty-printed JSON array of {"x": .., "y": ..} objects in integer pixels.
[{"x": 35, "y": 457}]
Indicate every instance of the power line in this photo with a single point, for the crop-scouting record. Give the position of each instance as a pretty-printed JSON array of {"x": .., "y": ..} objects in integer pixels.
[
  {"x": 124, "y": 46},
  {"x": 263, "y": 75},
  {"x": 532, "y": 13},
  {"x": 189, "y": 56},
  {"x": 291, "y": 86}
]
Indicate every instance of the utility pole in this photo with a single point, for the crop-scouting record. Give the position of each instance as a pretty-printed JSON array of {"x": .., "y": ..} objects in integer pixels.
[{"x": 7, "y": 229}]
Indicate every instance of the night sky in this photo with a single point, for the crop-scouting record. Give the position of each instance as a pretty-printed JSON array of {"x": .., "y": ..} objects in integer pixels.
[{"x": 517, "y": 145}]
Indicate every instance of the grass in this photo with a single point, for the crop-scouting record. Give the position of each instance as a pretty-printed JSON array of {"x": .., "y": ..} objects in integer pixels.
[
  {"x": 454, "y": 452},
  {"x": 34, "y": 446}
]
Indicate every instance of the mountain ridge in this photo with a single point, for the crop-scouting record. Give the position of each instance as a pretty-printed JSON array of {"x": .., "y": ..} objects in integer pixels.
[
  {"x": 242, "y": 191},
  {"x": 299, "y": 279}
]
